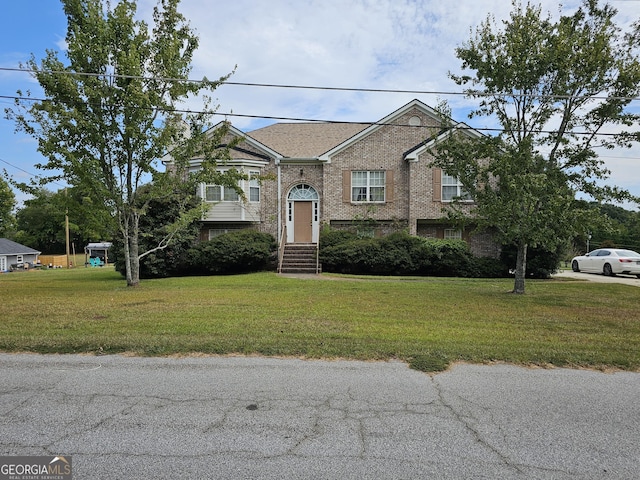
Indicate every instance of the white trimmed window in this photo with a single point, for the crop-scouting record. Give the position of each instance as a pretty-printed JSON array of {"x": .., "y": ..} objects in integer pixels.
[
  {"x": 254, "y": 186},
  {"x": 368, "y": 186},
  {"x": 452, "y": 188},
  {"x": 219, "y": 193},
  {"x": 452, "y": 234},
  {"x": 216, "y": 232}
]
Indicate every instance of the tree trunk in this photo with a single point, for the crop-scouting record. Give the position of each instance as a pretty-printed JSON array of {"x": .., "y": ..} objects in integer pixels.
[
  {"x": 133, "y": 280},
  {"x": 521, "y": 268},
  {"x": 127, "y": 256},
  {"x": 127, "y": 259},
  {"x": 131, "y": 257},
  {"x": 133, "y": 277}
]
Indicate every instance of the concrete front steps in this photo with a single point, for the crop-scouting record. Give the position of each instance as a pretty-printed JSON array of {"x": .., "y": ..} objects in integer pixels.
[{"x": 300, "y": 258}]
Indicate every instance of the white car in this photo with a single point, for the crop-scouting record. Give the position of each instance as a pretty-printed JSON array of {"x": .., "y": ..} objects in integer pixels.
[{"x": 608, "y": 261}]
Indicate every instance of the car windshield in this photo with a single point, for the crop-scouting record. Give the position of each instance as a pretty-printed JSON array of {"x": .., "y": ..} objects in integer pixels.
[{"x": 627, "y": 253}]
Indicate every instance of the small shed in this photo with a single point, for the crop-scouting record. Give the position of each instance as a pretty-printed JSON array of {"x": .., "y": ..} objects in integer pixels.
[
  {"x": 14, "y": 256},
  {"x": 98, "y": 250}
]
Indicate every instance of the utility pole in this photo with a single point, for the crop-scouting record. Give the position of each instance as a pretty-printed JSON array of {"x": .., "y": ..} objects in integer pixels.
[{"x": 66, "y": 226}]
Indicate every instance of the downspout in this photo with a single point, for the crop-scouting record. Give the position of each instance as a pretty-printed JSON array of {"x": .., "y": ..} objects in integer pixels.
[{"x": 279, "y": 203}]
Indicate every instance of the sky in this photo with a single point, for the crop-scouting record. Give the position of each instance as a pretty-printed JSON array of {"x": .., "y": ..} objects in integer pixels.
[{"x": 399, "y": 45}]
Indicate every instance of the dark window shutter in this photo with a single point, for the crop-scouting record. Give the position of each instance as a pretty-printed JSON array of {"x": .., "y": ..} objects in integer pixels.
[
  {"x": 437, "y": 184},
  {"x": 346, "y": 186},
  {"x": 388, "y": 180}
]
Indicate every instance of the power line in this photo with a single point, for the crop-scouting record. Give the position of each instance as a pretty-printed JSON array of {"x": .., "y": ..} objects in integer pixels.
[
  {"x": 459, "y": 126},
  {"x": 17, "y": 168},
  {"x": 31, "y": 174},
  {"x": 312, "y": 87}
]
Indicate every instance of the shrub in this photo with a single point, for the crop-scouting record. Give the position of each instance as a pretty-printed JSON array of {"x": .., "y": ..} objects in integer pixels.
[
  {"x": 448, "y": 258},
  {"x": 169, "y": 261},
  {"x": 541, "y": 263},
  {"x": 487, "y": 267},
  {"x": 399, "y": 254},
  {"x": 346, "y": 253},
  {"x": 330, "y": 237},
  {"x": 235, "y": 252}
]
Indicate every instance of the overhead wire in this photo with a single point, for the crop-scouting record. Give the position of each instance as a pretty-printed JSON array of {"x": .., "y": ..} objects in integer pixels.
[
  {"x": 286, "y": 86},
  {"x": 309, "y": 87},
  {"x": 458, "y": 125},
  {"x": 31, "y": 174}
]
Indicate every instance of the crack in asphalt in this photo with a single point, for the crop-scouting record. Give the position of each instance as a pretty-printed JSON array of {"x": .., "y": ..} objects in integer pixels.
[
  {"x": 431, "y": 423},
  {"x": 469, "y": 422}
]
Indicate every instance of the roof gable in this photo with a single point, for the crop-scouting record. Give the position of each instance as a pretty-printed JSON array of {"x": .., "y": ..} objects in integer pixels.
[
  {"x": 414, "y": 154},
  {"x": 255, "y": 148},
  {"x": 388, "y": 120},
  {"x": 263, "y": 148}
]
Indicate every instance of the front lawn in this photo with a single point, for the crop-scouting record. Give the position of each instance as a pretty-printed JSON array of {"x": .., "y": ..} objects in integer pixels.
[{"x": 429, "y": 322}]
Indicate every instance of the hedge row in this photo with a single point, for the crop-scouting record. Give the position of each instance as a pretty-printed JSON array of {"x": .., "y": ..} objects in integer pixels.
[
  {"x": 403, "y": 254},
  {"x": 234, "y": 252},
  {"x": 341, "y": 252}
]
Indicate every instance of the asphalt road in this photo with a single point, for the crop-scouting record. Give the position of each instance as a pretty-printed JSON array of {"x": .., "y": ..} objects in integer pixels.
[
  {"x": 594, "y": 277},
  {"x": 264, "y": 418}
]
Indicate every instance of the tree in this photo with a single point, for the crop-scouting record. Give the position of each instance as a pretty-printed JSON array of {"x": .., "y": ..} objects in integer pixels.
[
  {"x": 111, "y": 112},
  {"x": 159, "y": 223},
  {"x": 7, "y": 204},
  {"x": 556, "y": 89},
  {"x": 41, "y": 221},
  {"x": 621, "y": 229}
]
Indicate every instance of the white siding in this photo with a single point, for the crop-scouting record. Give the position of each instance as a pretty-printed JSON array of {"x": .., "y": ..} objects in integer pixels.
[{"x": 233, "y": 212}]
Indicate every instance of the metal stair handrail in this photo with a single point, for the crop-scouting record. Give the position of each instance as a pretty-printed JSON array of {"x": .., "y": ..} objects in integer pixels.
[{"x": 283, "y": 236}]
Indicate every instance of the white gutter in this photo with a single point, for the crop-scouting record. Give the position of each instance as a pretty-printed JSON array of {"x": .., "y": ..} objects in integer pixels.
[{"x": 279, "y": 204}]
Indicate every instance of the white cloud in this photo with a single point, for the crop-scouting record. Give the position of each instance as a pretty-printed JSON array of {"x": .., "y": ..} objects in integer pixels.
[
  {"x": 374, "y": 44},
  {"x": 400, "y": 44}
]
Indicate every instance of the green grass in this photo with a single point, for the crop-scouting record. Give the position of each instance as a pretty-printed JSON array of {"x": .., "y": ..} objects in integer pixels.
[{"x": 428, "y": 322}]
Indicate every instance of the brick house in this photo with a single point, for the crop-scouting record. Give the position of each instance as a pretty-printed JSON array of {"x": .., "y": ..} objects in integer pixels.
[{"x": 366, "y": 176}]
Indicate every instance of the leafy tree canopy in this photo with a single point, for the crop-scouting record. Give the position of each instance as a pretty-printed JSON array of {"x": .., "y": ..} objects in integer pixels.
[
  {"x": 41, "y": 222},
  {"x": 111, "y": 111},
  {"x": 7, "y": 204},
  {"x": 557, "y": 89}
]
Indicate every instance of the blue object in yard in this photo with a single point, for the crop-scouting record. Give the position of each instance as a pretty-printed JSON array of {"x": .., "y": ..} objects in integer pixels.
[{"x": 96, "y": 262}]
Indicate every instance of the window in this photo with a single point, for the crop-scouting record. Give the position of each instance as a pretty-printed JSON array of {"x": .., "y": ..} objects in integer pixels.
[
  {"x": 452, "y": 234},
  {"x": 254, "y": 186},
  {"x": 368, "y": 186},
  {"x": 222, "y": 193},
  {"x": 452, "y": 188},
  {"x": 303, "y": 192},
  {"x": 216, "y": 232},
  {"x": 219, "y": 193}
]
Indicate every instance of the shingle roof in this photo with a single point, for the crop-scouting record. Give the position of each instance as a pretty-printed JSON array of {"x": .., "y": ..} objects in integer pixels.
[
  {"x": 9, "y": 247},
  {"x": 305, "y": 140}
]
